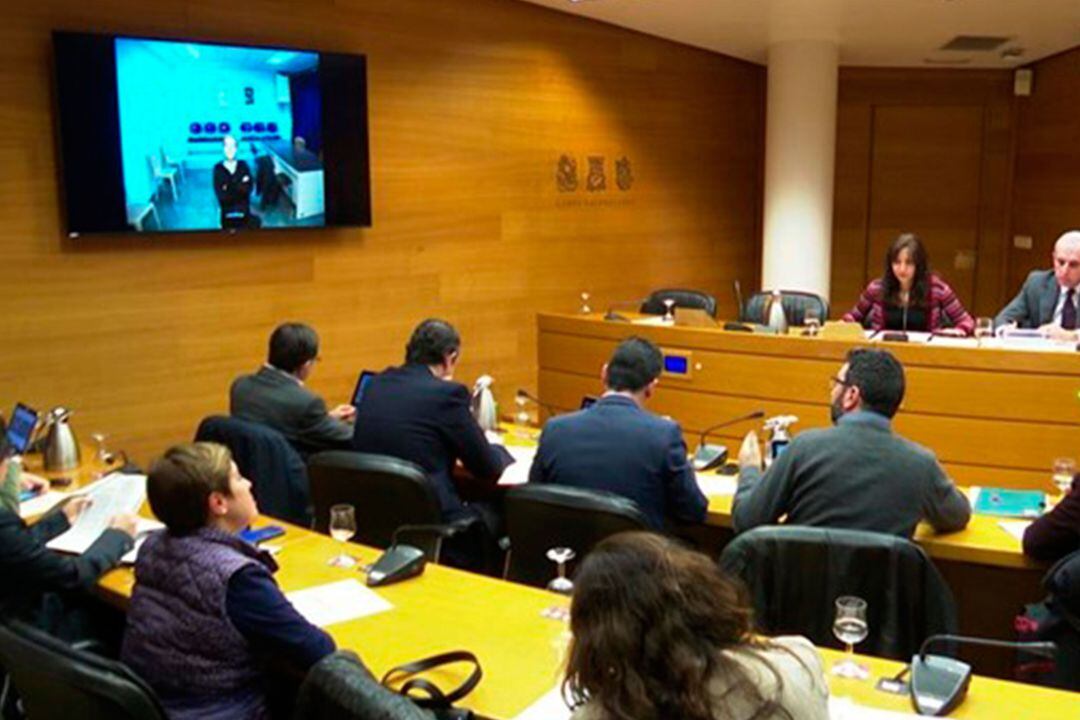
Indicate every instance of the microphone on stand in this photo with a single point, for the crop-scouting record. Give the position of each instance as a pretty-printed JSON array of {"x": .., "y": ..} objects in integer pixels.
[
  {"x": 706, "y": 457},
  {"x": 939, "y": 684},
  {"x": 624, "y": 304},
  {"x": 549, "y": 409}
]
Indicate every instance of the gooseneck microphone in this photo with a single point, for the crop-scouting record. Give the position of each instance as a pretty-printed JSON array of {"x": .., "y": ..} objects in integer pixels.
[
  {"x": 549, "y": 409},
  {"x": 706, "y": 457},
  {"x": 939, "y": 684}
]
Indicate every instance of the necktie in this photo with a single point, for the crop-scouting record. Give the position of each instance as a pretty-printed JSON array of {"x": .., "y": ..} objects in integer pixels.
[{"x": 1068, "y": 312}]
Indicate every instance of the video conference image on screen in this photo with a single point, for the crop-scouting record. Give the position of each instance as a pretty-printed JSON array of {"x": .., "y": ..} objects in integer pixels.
[{"x": 218, "y": 137}]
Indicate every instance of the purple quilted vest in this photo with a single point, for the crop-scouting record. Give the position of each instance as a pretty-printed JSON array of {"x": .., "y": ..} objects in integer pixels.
[{"x": 179, "y": 637}]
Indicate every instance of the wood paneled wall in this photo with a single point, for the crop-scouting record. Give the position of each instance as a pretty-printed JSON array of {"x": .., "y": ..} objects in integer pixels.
[
  {"x": 471, "y": 104},
  {"x": 925, "y": 151},
  {"x": 1046, "y": 188}
]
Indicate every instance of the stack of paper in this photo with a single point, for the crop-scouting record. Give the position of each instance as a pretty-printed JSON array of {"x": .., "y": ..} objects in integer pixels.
[
  {"x": 337, "y": 602},
  {"x": 713, "y": 484},
  {"x": 40, "y": 504},
  {"x": 143, "y": 527},
  {"x": 518, "y": 473},
  {"x": 112, "y": 495}
]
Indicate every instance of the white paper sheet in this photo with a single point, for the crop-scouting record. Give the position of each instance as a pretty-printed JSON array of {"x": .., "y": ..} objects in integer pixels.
[
  {"x": 111, "y": 495},
  {"x": 1015, "y": 528},
  {"x": 711, "y": 484},
  {"x": 518, "y": 472},
  {"x": 550, "y": 706},
  {"x": 946, "y": 341},
  {"x": 654, "y": 320},
  {"x": 846, "y": 709},
  {"x": 41, "y": 504},
  {"x": 337, "y": 602},
  {"x": 143, "y": 527}
]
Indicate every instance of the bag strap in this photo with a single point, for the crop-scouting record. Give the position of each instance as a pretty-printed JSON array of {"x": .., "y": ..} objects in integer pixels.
[{"x": 433, "y": 697}]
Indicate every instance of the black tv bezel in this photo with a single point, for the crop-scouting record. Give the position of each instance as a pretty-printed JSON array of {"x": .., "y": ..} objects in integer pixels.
[{"x": 360, "y": 143}]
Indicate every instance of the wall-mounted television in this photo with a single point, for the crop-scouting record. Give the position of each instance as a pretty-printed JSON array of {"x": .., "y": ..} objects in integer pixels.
[{"x": 161, "y": 135}]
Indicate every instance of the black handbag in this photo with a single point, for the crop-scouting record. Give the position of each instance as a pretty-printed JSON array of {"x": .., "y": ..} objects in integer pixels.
[{"x": 427, "y": 694}]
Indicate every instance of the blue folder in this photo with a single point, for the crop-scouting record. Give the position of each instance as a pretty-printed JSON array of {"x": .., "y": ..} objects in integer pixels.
[{"x": 1010, "y": 503}]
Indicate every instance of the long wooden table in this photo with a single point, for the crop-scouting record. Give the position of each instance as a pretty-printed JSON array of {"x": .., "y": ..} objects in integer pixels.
[
  {"x": 993, "y": 416},
  {"x": 521, "y": 650}
]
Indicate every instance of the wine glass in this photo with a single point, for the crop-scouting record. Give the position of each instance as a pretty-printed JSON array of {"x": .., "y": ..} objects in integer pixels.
[
  {"x": 561, "y": 584},
  {"x": 850, "y": 628},
  {"x": 1064, "y": 470},
  {"x": 342, "y": 529},
  {"x": 101, "y": 454},
  {"x": 585, "y": 309},
  {"x": 984, "y": 329},
  {"x": 812, "y": 321},
  {"x": 669, "y": 310}
]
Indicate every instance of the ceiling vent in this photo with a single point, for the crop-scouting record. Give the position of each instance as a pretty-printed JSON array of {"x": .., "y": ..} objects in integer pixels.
[{"x": 975, "y": 43}]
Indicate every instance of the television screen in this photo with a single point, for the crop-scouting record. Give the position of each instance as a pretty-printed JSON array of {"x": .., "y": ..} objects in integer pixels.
[{"x": 166, "y": 135}]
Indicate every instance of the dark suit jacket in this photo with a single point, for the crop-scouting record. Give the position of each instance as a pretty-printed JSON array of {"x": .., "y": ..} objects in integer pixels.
[
  {"x": 859, "y": 475},
  {"x": 29, "y": 569},
  {"x": 272, "y": 397},
  {"x": 409, "y": 413},
  {"x": 1034, "y": 305},
  {"x": 618, "y": 447}
]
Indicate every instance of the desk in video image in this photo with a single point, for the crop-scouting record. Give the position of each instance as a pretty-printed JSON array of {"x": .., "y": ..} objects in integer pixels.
[{"x": 219, "y": 137}]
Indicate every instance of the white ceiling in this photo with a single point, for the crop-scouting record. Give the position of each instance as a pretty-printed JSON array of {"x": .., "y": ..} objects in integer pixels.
[{"x": 895, "y": 33}]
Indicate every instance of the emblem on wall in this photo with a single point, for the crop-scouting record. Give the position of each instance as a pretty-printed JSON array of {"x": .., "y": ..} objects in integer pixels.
[
  {"x": 566, "y": 174},
  {"x": 596, "y": 182},
  {"x": 623, "y": 177}
]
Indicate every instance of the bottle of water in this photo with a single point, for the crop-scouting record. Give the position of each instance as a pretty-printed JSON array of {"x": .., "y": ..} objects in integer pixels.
[{"x": 777, "y": 319}]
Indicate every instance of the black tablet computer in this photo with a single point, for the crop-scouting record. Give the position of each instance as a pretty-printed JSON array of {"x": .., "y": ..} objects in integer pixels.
[{"x": 361, "y": 386}]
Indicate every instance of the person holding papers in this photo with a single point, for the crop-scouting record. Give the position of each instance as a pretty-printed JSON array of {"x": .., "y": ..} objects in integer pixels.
[
  {"x": 908, "y": 296},
  {"x": 858, "y": 475},
  {"x": 1048, "y": 300},
  {"x": 618, "y": 446},
  {"x": 45, "y": 587},
  {"x": 659, "y": 632}
]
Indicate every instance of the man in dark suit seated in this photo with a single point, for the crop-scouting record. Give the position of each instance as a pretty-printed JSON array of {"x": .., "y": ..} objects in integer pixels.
[
  {"x": 859, "y": 475},
  {"x": 1048, "y": 300},
  {"x": 417, "y": 413},
  {"x": 276, "y": 396},
  {"x": 618, "y": 446}
]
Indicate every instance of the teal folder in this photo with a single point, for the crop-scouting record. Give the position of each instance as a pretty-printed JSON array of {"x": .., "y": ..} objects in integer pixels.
[{"x": 1010, "y": 503}]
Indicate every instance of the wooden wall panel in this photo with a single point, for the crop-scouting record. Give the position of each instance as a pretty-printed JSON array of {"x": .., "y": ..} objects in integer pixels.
[
  {"x": 1046, "y": 187},
  {"x": 895, "y": 127},
  {"x": 471, "y": 104}
]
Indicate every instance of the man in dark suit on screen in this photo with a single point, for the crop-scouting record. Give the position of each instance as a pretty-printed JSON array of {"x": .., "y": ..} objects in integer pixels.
[
  {"x": 416, "y": 412},
  {"x": 618, "y": 446},
  {"x": 1049, "y": 299},
  {"x": 277, "y": 397}
]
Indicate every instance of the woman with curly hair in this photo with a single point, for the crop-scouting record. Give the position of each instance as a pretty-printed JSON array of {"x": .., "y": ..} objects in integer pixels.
[{"x": 659, "y": 632}]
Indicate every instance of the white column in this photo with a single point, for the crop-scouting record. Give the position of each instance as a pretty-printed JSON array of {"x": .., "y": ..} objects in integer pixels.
[{"x": 800, "y": 152}]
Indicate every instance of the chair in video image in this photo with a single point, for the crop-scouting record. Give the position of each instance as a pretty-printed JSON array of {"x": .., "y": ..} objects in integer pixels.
[
  {"x": 540, "y": 517},
  {"x": 162, "y": 174}
]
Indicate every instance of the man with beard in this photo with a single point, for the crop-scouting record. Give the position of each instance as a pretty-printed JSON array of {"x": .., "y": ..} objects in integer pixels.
[{"x": 858, "y": 475}]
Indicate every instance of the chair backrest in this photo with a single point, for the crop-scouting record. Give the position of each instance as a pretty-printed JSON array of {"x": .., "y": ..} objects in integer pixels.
[
  {"x": 263, "y": 455},
  {"x": 541, "y": 516},
  {"x": 339, "y": 687},
  {"x": 387, "y": 493},
  {"x": 56, "y": 681},
  {"x": 794, "y": 302},
  {"x": 654, "y": 304},
  {"x": 155, "y": 163},
  {"x": 795, "y": 574}
]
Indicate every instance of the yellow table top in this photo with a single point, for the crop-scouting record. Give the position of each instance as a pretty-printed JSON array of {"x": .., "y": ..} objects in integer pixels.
[{"x": 519, "y": 648}]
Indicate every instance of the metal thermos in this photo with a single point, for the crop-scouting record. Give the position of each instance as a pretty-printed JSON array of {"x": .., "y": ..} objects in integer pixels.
[{"x": 61, "y": 446}]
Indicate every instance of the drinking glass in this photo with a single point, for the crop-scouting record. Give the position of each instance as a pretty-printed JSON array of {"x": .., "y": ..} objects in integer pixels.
[
  {"x": 984, "y": 329},
  {"x": 669, "y": 310},
  {"x": 1064, "y": 470},
  {"x": 561, "y": 584},
  {"x": 342, "y": 529},
  {"x": 850, "y": 628},
  {"x": 101, "y": 454},
  {"x": 812, "y": 321},
  {"x": 585, "y": 309}
]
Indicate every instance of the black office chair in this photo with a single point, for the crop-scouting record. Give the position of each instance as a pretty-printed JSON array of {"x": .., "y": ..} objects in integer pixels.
[
  {"x": 795, "y": 574},
  {"x": 696, "y": 299},
  {"x": 340, "y": 687},
  {"x": 388, "y": 494},
  {"x": 794, "y": 302},
  {"x": 541, "y": 516},
  {"x": 263, "y": 455},
  {"x": 57, "y": 682}
]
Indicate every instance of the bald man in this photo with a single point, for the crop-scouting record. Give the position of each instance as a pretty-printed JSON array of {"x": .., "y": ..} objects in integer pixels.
[{"x": 1048, "y": 300}]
